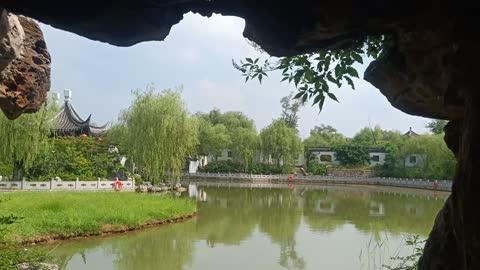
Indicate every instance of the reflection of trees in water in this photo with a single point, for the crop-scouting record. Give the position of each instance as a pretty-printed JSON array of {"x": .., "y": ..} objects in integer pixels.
[
  {"x": 226, "y": 217},
  {"x": 170, "y": 247},
  {"x": 371, "y": 212},
  {"x": 230, "y": 215},
  {"x": 280, "y": 219}
]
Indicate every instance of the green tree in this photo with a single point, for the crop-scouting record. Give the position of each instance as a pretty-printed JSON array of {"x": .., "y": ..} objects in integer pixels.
[
  {"x": 369, "y": 137},
  {"x": 245, "y": 142},
  {"x": 324, "y": 135},
  {"x": 352, "y": 155},
  {"x": 436, "y": 126},
  {"x": 213, "y": 139},
  {"x": 25, "y": 138},
  {"x": 290, "y": 109},
  {"x": 160, "y": 134},
  {"x": 281, "y": 142},
  {"x": 229, "y": 130}
]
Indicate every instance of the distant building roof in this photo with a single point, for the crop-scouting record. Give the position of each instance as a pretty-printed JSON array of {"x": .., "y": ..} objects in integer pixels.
[
  {"x": 69, "y": 123},
  {"x": 410, "y": 133}
]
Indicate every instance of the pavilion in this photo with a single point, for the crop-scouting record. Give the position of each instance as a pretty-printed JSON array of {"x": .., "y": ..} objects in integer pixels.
[{"x": 69, "y": 123}]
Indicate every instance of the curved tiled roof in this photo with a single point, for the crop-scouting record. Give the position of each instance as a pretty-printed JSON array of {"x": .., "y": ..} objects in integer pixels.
[
  {"x": 410, "y": 133},
  {"x": 69, "y": 123}
]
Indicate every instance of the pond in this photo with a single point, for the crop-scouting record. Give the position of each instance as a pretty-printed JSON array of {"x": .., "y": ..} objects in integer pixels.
[{"x": 301, "y": 227}]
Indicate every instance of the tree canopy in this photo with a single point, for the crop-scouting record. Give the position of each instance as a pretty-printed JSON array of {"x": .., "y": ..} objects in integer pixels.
[
  {"x": 25, "y": 138},
  {"x": 290, "y": 109},
  {"x": 230, "y": 130},
  {"x": 281, "y": 142},
  {"x": 324, "y": 135},
  {"x": 436, "y": 126},
  {"x": 159, "y": 133}
]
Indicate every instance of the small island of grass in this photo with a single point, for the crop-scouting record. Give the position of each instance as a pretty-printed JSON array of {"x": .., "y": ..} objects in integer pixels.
[{"x": 46, "y": 216}]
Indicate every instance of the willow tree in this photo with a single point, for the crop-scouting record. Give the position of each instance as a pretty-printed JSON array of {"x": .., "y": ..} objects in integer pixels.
[
  {"x": 245, "y": 143},
  {"x": 159, "y": 133},
  {"x": 281, "y": 143},
  {"x": 25, "y": 138}
]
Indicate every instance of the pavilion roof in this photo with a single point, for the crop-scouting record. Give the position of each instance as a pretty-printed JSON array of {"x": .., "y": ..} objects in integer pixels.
[{"x": 69, "y": 123}]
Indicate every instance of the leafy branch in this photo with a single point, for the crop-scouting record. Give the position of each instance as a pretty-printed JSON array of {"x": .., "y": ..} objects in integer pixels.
[
  {"x": 409, "y": 262},
  {"x": 312, "y": 73}
]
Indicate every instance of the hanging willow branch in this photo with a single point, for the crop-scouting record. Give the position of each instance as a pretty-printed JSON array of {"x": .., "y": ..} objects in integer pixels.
[{"x": 159, "y": 133}]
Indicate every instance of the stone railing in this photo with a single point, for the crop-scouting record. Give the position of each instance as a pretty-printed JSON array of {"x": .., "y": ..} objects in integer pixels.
[
  {"x": 53, "y": 185},
  {"x": 444, "y": 185}
]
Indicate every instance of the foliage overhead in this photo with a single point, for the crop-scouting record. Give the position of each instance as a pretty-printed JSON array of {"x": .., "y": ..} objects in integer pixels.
[
  {"x": 159, "y": 134},
  {"x": 314, "y": 73}
]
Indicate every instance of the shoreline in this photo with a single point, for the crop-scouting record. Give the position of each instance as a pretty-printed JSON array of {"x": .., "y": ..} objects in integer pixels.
[
  {"x": 106, "y": 231},
  {"x": 424, "y": 184}
]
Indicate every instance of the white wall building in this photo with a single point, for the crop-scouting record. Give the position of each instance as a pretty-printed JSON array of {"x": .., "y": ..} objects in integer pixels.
[
  {"x": 414, "y": 160},
  {"x": 327, "y": 155}
]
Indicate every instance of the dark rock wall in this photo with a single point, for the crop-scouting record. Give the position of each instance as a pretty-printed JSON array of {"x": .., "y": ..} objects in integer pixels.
[{"x": 430, "y": 69}]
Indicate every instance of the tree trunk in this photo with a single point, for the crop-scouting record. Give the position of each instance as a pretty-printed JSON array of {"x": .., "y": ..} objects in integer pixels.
[{"x": 17, "y": 170}]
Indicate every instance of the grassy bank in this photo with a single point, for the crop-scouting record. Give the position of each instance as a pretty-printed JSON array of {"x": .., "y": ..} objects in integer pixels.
[{"x": 53, "y": 215}]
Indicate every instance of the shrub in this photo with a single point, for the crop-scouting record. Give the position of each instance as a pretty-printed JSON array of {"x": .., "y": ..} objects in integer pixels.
[
  {"x": 75, "y": 157},
  {"x": 315, "y": 168},
  {"x": 352, "y": 155},
  {"x": 229, "y": 166}
]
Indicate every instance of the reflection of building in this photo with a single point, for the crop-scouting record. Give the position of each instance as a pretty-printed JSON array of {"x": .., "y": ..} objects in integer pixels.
[
  {"x": 376, "y": 209},
  {"x": 413, "y": 209},
  {"x": 325, "y": 207},
  {"x": 69, "y": 123},
  {"x": 198, "y": 194}
]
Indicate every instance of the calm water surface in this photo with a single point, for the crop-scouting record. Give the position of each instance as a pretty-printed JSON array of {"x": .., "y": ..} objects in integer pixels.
[{"x": 269, "y": 228}]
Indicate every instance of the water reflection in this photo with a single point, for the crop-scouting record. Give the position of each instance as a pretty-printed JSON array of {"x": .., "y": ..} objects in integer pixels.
[{"x": 263, "y": 228}]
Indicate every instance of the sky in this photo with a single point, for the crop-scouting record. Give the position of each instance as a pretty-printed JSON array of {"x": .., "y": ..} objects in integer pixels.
[{"x": 197, "y": 56}]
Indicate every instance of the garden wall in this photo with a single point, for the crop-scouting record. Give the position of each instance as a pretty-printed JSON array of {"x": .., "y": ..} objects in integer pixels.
[{"x": 341, "y": 172}]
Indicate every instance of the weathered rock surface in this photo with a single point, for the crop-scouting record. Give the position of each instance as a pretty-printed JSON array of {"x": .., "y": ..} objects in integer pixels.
[
  {"x": 12, "y": 35},
  {"x": 24, "y": 65},
  {"x": 430, "y": 69},
  {"x": 40, "y": 266}
]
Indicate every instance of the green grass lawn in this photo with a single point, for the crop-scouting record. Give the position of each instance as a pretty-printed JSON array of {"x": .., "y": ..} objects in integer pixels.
[{"x": 81, "y": 213}]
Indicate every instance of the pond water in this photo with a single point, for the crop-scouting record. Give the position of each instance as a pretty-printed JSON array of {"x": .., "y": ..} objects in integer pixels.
[{"x": 304, "y": 227}]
